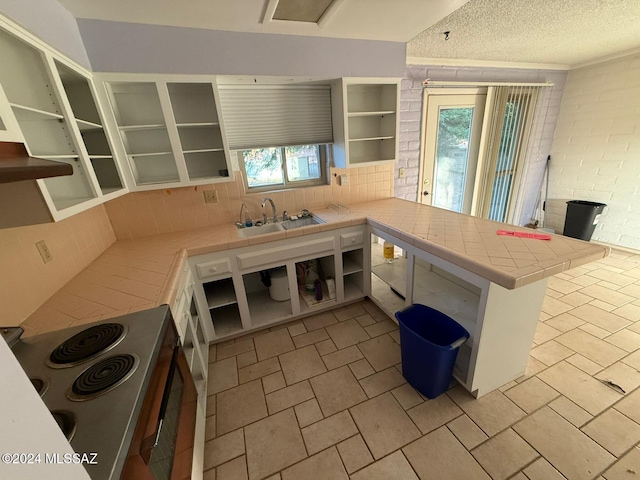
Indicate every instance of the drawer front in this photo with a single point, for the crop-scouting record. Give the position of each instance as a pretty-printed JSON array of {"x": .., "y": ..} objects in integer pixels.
[
  {"x": 351, "y": 239},
  {"x": 213, "y": 268},
  {"x": 284, "y": 253}
]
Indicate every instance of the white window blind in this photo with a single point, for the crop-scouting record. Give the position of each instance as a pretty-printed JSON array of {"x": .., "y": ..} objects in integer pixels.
[{"x": 258, "y": 116}]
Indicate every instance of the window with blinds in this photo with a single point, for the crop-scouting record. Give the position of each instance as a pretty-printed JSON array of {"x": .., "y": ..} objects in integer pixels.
[
  {"x": 512, "y": 109},
  {"x": 263, "y": 116}
]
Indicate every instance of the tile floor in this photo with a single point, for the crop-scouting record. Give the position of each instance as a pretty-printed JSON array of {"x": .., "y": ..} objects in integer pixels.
[{"x": 324, "y": 398}]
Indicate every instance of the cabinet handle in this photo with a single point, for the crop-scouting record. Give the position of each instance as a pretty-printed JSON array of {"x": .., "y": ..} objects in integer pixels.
[
  {"x": 213, "y": 269},
  {"x": 353, "y": 240}
]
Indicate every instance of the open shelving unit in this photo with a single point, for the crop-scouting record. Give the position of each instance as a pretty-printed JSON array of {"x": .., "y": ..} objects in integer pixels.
[
  {"x": 353, "y": 273},
  {"x": 368, "y": 116},
  {"x": 262, "y": 308},
  {"x": 325, "y": 268},
  {"x": 196, "y": 116},
  {"x": 222, "y": 303},
  {"x": 388, "y": 278},
  {"x": 89, "y": 122},
  {"x": 143, "y": 130},
  {"x": 30, "y": 85}
]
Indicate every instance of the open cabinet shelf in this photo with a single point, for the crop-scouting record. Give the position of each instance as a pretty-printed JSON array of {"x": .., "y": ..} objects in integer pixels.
[
  {"x": 177, "y": 121},
  {"x": 365, "y": 117}
]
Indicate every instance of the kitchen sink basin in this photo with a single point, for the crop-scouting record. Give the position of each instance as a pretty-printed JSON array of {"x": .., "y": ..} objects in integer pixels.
[
  {"x": 260, "y": 230},
  {"x": 301, "y": 222}
]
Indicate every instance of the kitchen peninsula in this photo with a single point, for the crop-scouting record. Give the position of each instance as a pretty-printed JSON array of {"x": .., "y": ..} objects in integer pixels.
[{"x": 501, "y": 279}]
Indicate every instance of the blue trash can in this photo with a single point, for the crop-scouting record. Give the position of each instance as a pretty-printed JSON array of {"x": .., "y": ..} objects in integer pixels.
[{"x": 429, "y": 342}]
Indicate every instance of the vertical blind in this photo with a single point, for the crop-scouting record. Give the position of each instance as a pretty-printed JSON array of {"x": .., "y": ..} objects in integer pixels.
[
  {"x": 512, "y": 109},
  {"x": 258, "y": 116}
]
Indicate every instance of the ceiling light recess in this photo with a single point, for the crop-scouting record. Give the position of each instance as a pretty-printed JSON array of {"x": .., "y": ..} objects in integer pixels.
[{"x": 303, "y": 12}]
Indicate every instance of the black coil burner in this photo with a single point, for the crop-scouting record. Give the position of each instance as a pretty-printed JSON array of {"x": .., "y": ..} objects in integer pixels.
[
  {"x": 102, "y": 377},
  {"x": 86, "y": 344},
  {"x": 66, "y": 421}
]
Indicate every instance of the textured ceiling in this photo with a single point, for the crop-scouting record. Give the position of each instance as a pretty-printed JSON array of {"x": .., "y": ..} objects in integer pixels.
[
  {"x": 565, "y": 32},
  {"x": 392, "y": 20}
]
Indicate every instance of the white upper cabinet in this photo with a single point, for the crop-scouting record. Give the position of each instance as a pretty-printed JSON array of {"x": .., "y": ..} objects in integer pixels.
[
  {"x": 171, "y": 131},
  {"x": 50, "y": 121},
  {"x": 365, "y": 121}
]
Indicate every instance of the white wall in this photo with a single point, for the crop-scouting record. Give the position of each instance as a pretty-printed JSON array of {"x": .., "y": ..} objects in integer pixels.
[
  {"x": 138, "y": 48},
  {"x": 49, "y": 21},
  {"x": 410, "y": 123},
  {"x": 596, "y": 149}
]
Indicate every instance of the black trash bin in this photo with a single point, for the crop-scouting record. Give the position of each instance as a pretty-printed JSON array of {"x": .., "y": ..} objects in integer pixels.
[{"x": 582, "y": 218}]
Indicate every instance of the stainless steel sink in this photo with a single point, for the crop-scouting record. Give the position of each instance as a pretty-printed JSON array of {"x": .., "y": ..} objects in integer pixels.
[
  {"x": 260, "y": 230},
  {"x": 301, "y": 222}
]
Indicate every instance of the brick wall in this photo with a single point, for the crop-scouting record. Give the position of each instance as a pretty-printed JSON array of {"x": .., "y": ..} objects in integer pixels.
[
  {"x": 596, "y": 150},
  {"x": 410, "y": 119}
]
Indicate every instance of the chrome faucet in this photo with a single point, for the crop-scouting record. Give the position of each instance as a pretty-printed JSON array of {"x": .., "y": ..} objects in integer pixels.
[
  {"x": 273, "y": 208},
  {"x": 240, "y": 222}
]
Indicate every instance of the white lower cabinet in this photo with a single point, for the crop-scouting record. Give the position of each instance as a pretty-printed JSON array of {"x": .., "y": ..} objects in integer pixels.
[
  {"x": 196, "y": 348},
  {"x": 501, "y": 322},
  {"x": 251, "y": 287}
]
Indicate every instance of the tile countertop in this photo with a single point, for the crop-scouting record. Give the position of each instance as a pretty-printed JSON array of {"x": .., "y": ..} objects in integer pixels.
[{"x": 142, "y": 273}]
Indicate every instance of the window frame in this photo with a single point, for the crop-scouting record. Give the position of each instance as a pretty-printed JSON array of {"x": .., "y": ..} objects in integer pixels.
[{"x": 324, "y": 157}]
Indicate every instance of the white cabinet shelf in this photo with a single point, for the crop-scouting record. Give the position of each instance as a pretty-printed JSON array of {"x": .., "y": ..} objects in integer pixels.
[
  {"x": 367, "y": 139},
  {"x": 132, "y": 128},
  {"x": 371, "y": 114},
  {"x": 84, "y": 125},
  {"x": 25, "y": 113},
  {"x": 220, "y": 293},
  {"x": 365, "y": 119}
]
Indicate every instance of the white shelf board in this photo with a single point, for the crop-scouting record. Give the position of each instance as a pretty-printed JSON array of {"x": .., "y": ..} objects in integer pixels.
[
  {"x": 23, "y": 112},
  {"x": 85, "y": 125},
  {"x": 350, "y": 266},
  {"x": 226, "y": 320},
  {"x": 202, "y": 150},
  {"x": 198, "y": 125},
  {"x": 132, "y": 128},
  {"x": 220, "y": 293},
  {"x": 148, "y": 154},
  {"x": 437, "y": 292},
  {"x": 389, "y": 301},
  {"x": 57, "y": 157},
  {"x": 358, "y": 161},
  {"x": 366, "y": 139},
  {"x": 371, "y": 114},
  {"x": 107, "y": 191},
  {"x": 62, "y": 203},
  {"x": 156, "y": 180},
  {"x": 265, "y": 310},
  {"x": 393, "y": 274},
  {"x": 99, "y": 157}
]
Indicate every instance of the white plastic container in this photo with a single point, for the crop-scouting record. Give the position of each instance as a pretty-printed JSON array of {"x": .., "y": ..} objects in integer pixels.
[{"x": 279, "y": 289}]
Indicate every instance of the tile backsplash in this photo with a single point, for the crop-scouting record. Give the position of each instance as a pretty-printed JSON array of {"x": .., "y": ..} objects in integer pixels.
[
  {"x": 27, "y": 281},
  {"x": 141, "y": 214}
]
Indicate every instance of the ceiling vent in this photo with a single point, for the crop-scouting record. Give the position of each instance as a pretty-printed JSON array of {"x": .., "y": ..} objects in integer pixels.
[{"x": 304, "y": 11}]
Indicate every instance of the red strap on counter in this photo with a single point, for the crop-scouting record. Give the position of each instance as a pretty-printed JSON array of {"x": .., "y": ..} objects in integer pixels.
[{"x": 537, "y": 236}]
